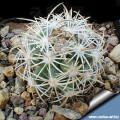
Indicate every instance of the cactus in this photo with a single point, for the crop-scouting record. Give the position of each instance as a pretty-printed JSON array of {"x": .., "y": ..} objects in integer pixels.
[{"x": 61, "y": 55}]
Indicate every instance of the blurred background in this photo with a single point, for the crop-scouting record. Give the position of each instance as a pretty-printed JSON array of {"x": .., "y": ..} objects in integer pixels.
[{"x": 99, "y": 10}]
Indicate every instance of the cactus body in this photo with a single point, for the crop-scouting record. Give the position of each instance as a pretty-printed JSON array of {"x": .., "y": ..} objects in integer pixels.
[{"x": 61, "y": 55}]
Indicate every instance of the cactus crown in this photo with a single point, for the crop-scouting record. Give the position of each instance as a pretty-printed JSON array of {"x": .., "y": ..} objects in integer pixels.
[{"x": 61, "y": 55}]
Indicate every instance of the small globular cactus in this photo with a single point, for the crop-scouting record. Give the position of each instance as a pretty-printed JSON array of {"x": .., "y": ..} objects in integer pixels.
[{"x": 61, "y": 55}]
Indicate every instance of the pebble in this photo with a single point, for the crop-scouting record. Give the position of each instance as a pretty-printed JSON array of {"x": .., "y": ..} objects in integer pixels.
[
  {"x": 102, "y": 29},
  {"x": 10, "y": 35},
  {"x": 115, "y": 54},
  {"x": 18, "y": 31},
  {"x": 80, "y": 107},
  {"x": 31, "y": 89},
  {"x": 3, "y": 84},
  {"x": 2, "y": 77},
  {"x": 108, "y": 26},
  {"x": 107, "y": 85},
  {"x": 109, "y": 66},
  {"x": 68, "y": 113},
  {"x": 23, "y": 116},
  {"x": 5, "y": 42},
  {"x": 2, "y": 115},
  {"x": 33, "y": 101},
  {"x": 4, "y": 31},
  {"x": 27, "y": 103},
  {"x": 19, "y": 86},
  {"x": 18, "y": 71},
  {"x": 3, "y": 98},
  {"x": 49, "y": 115},
  {"x": 10, "y": 113},
  {"x": 113, "y": 40},
  {"x": 42, "y": 112},
  {"x": 18, "y": 110},
  {"x": 113, "y": 79},
  {"x": 59, "y": 117},
  {"x": 3, "y": 56},
  {"x": 25, "y": 95},
  {"x": 97, "y": 90},
  {"x": 36, "y": 118},
  {"x": 16, "y": 100},
  {"x": 8, "y": 71},
  {"x": 11, "y": 58},
  {"x": 11, "y": 119},
  {"x": 118, "y": 73},
  {"x": 15, "y": 41}
]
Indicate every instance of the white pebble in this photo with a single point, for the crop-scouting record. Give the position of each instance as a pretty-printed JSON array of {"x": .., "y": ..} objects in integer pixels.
[
  {"x": 115, "y": 53},
  {"x": 2, "y": 116},
  {"x": 4, "y": 31}
]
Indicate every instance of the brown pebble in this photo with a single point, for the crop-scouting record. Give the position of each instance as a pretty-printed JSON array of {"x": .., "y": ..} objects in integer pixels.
[
  {"x": 4, "y": 97},
  {"x": 107, "y": 85},
  {"x": 2, "y": 77},
  {"x": 8, "y": 71},
  {"x": 80, "y": 107},
  {"x": 18, "y": 110},
  {"x": 3, "y": 56},
  {"x": 59, "y": 117},
  {"x": 31, "y": 89},
  {"x": 11, "y": 58},
  {"x": 25, "y": 95}
]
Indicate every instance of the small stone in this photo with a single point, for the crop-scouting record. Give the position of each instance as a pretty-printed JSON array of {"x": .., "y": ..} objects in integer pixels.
[
  {"x": 3, "y": 98},
  {"x": 18, "y": 31},
  {"x": 4, "y": 31},
  {"x": 113, "y": 79},
  {"x": 35, "y": 118},
  {"x": 18, "y": 110},
  {"x": 2, "y": 115},
  {"x": 49, "y": 115},
  {"x": 11, "y": 119},
  {"x": 15, "y": 41},
  {"x": 33, "y": 102},
  {"x": 16, "y": 100},
  {"x": 8, "y": 71},
  {"x": 102, "y": 29},
  {"x": 10, "y": 35},
  {"x": 42, "y": 112},
  {"x": 18, "y": 71},
  {"x": 3, "y": 56},
  {"x": 25, "y": 95},
  {"x": 11, "y": 58},
  {"x": 97, "y": 90},
  {"x": 23, "y": 116},
  {"x": 19, "y": 86},
  {"x": 8, "y": 112},
  {"x": 110, "y": 47},
  {"x": 80, "y": 107},
  {"x": 1, "y": 69},
  {"x": 31, "y": 89},
  {"x": 2, "y": 77},
  {"x": 118, "y": 73},
  {"x": 107, "y": 85},
  {"x": 59, "y": 117},
  {"x": 68, "y": 113},
  {"x": 113, "y": 40},
  {"x": 3, "y": 84},
  {"x": 27, "y": 103},
  {"x": 109, "y": 66},
  {"x": 115, "y": 53},
  {"x": 108, "y": 26}
]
